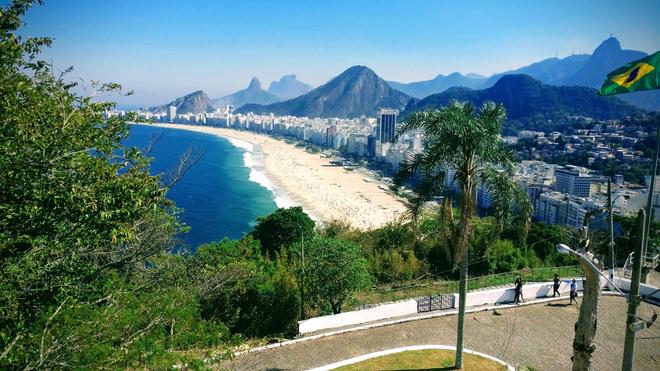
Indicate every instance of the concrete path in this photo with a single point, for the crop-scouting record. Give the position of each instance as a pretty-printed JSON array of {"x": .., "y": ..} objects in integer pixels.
[{"x": 539, "y": 335}]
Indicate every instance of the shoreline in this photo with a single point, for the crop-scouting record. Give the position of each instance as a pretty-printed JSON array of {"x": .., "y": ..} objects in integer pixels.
[
  {"x": 298, "y": 178},
  {"x": 253, "y": 160}
]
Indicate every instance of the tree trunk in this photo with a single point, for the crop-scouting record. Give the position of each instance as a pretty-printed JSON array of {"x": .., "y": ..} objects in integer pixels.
[
  {"x": 462, "y": 294},
  {"x": 462, "y": 247},
  {"x": 448, "y": 224},
  {"x": 585, "y": 327}
]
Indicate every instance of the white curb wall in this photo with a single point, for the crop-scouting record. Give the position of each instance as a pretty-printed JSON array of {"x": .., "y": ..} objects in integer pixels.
[
  {"x": 502, "y": 295},
  {"x": 384, "y": 311},
  {"x": 644, "y": 289}
]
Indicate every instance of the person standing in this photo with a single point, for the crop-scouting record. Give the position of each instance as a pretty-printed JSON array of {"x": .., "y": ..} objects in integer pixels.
[
  {"x": 555, "y": 286},
  {"x": 573, "y": 294},
  {"x": 519, "y": 287}
]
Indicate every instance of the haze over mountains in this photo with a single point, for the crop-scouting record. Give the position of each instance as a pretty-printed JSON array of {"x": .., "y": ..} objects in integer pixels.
[
  {"x": 359, "y": 91},
  {"x": 252, "y": 94},
  {"x": 355, "y": 92},
  {"x": 288, "y": 87},
  {"x": 195, "y": 102},
  {"x": 588, "y": 70},
  {"x": 421, "y": 89}
]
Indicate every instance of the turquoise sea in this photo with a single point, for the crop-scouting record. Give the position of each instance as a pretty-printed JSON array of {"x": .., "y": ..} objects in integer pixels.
[{"x": 217, "y": 196}]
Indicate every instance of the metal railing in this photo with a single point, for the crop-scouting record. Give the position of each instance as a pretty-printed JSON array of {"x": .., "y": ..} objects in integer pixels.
[{"x": 429, "y": 288}]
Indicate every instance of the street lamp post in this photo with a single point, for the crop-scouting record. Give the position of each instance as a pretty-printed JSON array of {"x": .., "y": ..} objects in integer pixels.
[
  {"x": 633, "y": 298},
  {"x": 609, "y": 211},
  {"x": 610, "y": 203}
]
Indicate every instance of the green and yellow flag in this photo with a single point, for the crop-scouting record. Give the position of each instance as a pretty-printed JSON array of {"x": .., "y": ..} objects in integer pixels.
[{"x": 642, "y": 74}]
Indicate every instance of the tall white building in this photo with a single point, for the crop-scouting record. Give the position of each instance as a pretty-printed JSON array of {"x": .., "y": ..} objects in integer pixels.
[
  {"x": 171, "y": 113},
  {"x": 575, "y": 181}
]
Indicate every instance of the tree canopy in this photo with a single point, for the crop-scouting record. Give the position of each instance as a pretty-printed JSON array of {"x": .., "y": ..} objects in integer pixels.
[
  {"x": 283, "y": 228},
  {"x": 335, "y": 270},
  {"x": 85, "y": 230}
]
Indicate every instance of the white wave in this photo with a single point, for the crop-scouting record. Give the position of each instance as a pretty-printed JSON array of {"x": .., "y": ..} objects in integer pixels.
[
  {"x": 253, "y": 161},
  {"x": 247, "y": 146}
]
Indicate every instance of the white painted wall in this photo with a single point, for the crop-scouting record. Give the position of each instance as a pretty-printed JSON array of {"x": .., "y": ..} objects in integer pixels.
[
  {"x": 644, "y": 289},
  {"x": 397, "y": 309},
  {"x": 502, "y": 295},
  {"x": 476, "y": 298}
]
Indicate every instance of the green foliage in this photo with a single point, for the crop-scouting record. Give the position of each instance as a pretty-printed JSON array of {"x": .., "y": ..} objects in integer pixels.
[
  {"x": 84, "y": 229},
  {"x": 146, "y": 323},
  {"x": 466, "y": 140},
  {"x": 543, "y": 240},
  {"x": 394, "y": 251},
  {"x": 337, "y": 270},
  {"x": 283, "y": 228},
  {"x": 251, "y": 294},
  {"x": 504, "y": 257}
]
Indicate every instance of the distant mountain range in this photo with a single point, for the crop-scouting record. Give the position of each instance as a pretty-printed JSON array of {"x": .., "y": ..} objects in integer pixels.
[
  {"x": 195, "y": 102},
  {"x": 548, "y": 70},
  {"x": 533, "y": 105},
  {"x": 588, "y": 70},
  {"x": 288, "y": 87},
  {"x": 252, "y": 94},
  {"x": 355, "y": 92},
  {"x": 607, "y": 57},
  {"x": 359, "y": 91},
  {"x": 421, "y": 89}
]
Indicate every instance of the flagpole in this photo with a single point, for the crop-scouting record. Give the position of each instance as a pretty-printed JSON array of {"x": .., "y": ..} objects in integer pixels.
[{"x": 649, "y": 203}]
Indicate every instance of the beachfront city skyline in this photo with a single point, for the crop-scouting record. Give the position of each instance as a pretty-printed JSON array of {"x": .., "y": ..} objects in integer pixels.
[{"x": 165, "y": 49}]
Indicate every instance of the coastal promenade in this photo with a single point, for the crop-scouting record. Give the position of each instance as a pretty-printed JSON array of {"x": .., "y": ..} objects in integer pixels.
[
  {"x": 538, "y": 335},
  {"x": 325, "y": 191}
]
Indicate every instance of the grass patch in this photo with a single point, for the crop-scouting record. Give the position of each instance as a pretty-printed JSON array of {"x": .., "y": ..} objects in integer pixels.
[{"x": 428, "y": 359}]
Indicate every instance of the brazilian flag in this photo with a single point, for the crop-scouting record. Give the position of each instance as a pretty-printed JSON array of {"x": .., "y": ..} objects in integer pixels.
[{"x": 642, "y": 74}]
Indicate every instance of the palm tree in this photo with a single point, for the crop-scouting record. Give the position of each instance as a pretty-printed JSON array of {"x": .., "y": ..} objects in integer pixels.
[{"x": 466, "y": 141}]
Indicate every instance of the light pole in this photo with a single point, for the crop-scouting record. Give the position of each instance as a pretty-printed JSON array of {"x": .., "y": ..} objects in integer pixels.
[
  {"x": 565, "y": 250},
  {"x": 610, "y": 203},
  {"x": 632, "y": 325}
]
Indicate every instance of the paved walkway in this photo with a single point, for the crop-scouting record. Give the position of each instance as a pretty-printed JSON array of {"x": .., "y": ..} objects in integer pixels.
[
  {"x": 538, "y": 335},
  {"x": 653, "y": 278}
]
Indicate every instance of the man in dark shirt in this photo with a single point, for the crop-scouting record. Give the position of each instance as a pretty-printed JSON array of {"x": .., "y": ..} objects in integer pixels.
[{"x": 555, "y": 286}]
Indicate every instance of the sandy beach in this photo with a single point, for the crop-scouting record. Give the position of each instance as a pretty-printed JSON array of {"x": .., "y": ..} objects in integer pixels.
[{"x": 298, "y": 178}]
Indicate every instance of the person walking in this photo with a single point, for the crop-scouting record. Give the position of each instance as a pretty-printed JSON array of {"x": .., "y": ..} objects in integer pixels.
[
  {"x": 519, "y": 287},
  {"x": 555, "y": 286},
  {"x": 573, "y": 294}
]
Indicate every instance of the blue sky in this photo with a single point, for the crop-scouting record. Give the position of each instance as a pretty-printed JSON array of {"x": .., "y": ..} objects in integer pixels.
[{"x": 164, "y": 48}]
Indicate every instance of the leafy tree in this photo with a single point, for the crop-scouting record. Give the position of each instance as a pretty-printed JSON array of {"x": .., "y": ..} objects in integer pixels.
[
  {"x": 393, "y": 250},
  {"x": 236, "y": 285},
  {"x": 336, "y": 270},
  {"x": 84, "y": 228},
  {"x": 283, "y": 228},
  {"x": 466, "y": 140},
  {"x": 543, "y": 240},
  {"x": 504, "y": 257}
]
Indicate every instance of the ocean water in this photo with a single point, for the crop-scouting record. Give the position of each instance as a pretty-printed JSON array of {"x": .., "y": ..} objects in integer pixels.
[{"x": 223, "y": 194}]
